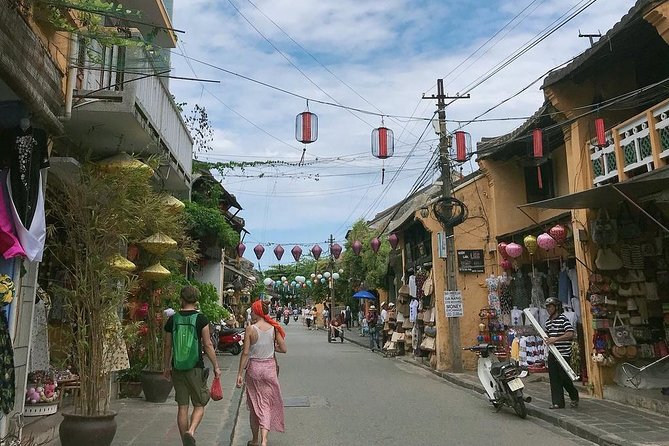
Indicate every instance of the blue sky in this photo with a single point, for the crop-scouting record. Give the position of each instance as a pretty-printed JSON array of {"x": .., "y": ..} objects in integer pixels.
[{"x": 388, "y": 53}]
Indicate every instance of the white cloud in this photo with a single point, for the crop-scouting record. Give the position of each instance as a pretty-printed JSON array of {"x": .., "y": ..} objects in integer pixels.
[{"x": 390, "y": 52}]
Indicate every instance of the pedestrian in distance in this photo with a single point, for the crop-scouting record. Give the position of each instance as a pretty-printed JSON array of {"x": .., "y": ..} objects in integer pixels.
[
  {"x": 348, "y": 318},
  {"x": 373, "y": 322},
  {"x": 186, "y": 334},
  {"x": 311, "y": 315},
  {"x": 559, "y": 333},
  {"x": 264, "y": 337},
  {"x": 383, "y": 318}
]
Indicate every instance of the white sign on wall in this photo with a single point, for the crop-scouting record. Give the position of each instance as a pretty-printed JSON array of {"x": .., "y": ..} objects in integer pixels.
[
  {"x": 441, "y": 245},
  {"x": 453, "y": 304}
]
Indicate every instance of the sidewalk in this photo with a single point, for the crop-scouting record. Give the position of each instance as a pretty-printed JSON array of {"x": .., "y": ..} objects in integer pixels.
[
  {"x": 603, "y": 422},
  {"x": 141, "y": 423}
]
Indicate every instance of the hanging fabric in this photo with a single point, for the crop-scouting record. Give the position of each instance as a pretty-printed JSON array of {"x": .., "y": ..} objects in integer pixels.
[
  {"x": 32, "y": 239},
  {"x": 10, "y": 245},
  {"x": 7, "y": 381}
]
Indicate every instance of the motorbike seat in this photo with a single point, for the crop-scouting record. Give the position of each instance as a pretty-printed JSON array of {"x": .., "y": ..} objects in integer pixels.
[{"x": 496, "y": 369}]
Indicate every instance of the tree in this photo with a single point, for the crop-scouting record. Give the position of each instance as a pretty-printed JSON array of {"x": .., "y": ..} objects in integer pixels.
[{"x": 367, "y": 270}]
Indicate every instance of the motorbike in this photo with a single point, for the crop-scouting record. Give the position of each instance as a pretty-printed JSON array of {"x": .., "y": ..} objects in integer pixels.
[
  {"x": 295, "y": 316},
  {"x": 286, "y": 319},
  {"x": 230, "y": 340},
  {"x": 501, "y": 380}
]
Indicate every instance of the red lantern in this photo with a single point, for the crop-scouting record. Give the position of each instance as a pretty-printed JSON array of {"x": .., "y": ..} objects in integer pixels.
[
  {"x": 600, "y": 131},
  {"x": 559, "y": 233},
  {"x": 296, "y": 252},
  {"x": 336, "y": 250},
  {"x": 538, "y": 145},
  {"x": 240, "y": 249},
  {"x": 133, "y": 252},
  {"x": 259, "y": 250},
  {"x": 463, "y": 146},
  {"x": 356, "y": 246},
  {"x": 394, "y": 240},
  {"x": 375, "y": 243},
  {"x": 316, "y": 251},
  {"x": 278, "y": 252},
  {"x": 306, "y": 127},
  {"x": 383, "y": 143},
  {"x": 506, "y": 264}
]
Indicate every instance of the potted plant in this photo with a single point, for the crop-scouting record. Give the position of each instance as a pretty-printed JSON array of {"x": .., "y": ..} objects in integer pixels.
[
  {"x": 91, "y": 216},
  {"x": 129, "y": 380}
]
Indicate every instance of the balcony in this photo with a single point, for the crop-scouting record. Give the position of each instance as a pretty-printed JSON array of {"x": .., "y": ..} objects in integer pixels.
[
  {"x": 634, "y": 147},
  {"x": 132, "y": 111}
]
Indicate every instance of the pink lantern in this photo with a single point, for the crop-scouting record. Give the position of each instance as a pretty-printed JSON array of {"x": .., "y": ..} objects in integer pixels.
[
  {"x": 546, "y": 242},
  {"x": 514, "y": 250},
  {"x": 394, "y": 240},
  {"x": 240, "y": 249},
  {"x": 316, "y": 251},
  {"x": 506, "y": 264},
  {"x": 559, "y": 233},
  {"x": 501, "y": 249},
  {"x": 296, "y": 252},
  {"x": 259, "y": 250},
  {"x": 278, "y": 252},
  {"x": 356, "y": 247},
  {"x": 306, "y": 127},
  {"x": 336, "y": 250},
  {"x": 375, "y": 243}
]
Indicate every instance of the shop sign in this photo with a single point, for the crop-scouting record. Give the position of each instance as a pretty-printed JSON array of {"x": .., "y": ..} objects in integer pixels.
[
  {"x": 441, "y": 245},
  {"x": 453, "y": 304},
  {"x": 470, "y": 261}
]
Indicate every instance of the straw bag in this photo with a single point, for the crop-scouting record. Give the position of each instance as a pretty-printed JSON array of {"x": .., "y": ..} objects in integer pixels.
[
  {"x": 607, "y": 260},
  {"x": 428, "y": 344},
  {"x": 604, "y": 230},
  {"x": 621, "y": 334}
]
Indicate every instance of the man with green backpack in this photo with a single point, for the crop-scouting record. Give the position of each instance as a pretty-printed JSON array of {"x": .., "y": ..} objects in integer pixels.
[{"x": 187, "y": 332}]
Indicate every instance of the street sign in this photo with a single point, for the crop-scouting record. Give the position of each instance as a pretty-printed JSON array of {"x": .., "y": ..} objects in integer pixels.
[
  {"x": 470, "y": 261},
  {"x": 441, "y": 245},
  {"x": 453, "y": 304}
]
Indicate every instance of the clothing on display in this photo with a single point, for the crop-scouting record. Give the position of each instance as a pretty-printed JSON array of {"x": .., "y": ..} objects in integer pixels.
[
  {"x": 412, "y": 286},
  {"x": 573, "y": 278},
  {"x": 39, "y": 348},
  {"x": 10, "y": 245},
  {"x": 564, "y": 287},
  {"x": 413, "y": 310},
  {"x": 33, "y": 238},
  {"x": 493, "y": 298},
  {"x": 538, "y": 296},
  {"x": 520, "y": 290},
  {"x": 7, "y": 381}
]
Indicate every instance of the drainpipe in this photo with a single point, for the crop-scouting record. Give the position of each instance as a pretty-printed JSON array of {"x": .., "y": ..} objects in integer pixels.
[{"x": 71, "y": 77}]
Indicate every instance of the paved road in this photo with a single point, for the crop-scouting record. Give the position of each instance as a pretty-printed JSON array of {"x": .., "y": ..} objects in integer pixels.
[{"x": 356, "y": 397}]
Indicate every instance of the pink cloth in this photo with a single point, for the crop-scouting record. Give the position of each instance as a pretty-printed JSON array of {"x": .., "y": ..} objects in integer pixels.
[
  {"x": 10, "y": 246},
  {"x": 263, "y": 394}
]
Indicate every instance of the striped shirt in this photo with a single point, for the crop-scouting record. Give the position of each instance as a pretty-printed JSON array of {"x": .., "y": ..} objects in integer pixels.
[{"x": 557, "y": 327}]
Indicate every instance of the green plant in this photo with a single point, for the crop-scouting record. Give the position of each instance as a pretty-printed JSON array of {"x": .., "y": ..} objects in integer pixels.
[
  {"x": 208, "y": 303},
  {"x": 208, "y": 223}
]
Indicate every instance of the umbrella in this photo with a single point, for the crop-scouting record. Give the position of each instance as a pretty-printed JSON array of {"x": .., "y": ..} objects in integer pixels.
[{"x": 364, "y": 295}]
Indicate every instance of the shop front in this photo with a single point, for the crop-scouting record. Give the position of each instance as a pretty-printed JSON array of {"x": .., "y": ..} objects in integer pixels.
[{"x": 623, "y": 251}]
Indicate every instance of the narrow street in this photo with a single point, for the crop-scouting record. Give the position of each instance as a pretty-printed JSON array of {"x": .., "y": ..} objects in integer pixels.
[{"x": 346, "y": 395}]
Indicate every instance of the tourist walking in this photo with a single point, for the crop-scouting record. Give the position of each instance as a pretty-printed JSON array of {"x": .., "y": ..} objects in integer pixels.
[
  {"x": 264, "y": 337},
  {"x": 348, "y": 318},
  {"x": 373, "y": 326},
  {"x": 187, "y": 332}
]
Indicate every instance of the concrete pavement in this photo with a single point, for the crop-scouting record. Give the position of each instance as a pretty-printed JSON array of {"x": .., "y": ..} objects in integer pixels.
[{"x": 602, "y": 422}]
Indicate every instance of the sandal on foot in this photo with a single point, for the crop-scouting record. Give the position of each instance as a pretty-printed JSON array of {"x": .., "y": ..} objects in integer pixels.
[
  {"x": 573, "y": 404},
  {"x": 188, "y": 439},
  {"x": 555, "y": 406}
]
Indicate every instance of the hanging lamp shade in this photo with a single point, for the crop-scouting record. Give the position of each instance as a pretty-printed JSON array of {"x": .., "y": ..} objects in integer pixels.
[
  {"x": 240, "y": 249},
  {"x": 173, "y": 204},
  {"x": 383, "y": 143},
  {"x": 463, "y": 146},
  {"x": 600, "y": 131},
  {"x": 122, "y": 264},
  {"x": 316, "y": 251},
  {"x": 259, "y": 250},
  {"x": 375, "y": 244},
  {"x": 158, "y": 243},
  {"x": 559, "y": 234},
  {"x": 278, "y": 252},
  {"x": 296, "y": 252},
  {"x": 306, "y": 127},
  {"x": 506, "y": 264},
  {"x": 155, "y": 272},
  {"x": 501, "y": 249},
  {"x": 123, "y": 161},
  {"x": 336, "y": 250},
  {"x": 530, "y": 243},
  {"x": 356, "y": 246},
  {"x": 394, "y": 240}
]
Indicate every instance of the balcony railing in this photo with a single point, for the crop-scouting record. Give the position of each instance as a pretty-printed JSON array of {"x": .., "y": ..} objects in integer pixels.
[{"x": 635, "y": 146}]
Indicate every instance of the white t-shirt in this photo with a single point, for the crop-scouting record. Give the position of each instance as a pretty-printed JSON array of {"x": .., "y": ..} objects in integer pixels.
[
  {"x": 384, "y": 315},
  {"x": 413, "y": 310}
]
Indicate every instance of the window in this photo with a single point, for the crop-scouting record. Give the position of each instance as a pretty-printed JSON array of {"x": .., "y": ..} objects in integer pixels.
[{"x": 532, "y": 189}]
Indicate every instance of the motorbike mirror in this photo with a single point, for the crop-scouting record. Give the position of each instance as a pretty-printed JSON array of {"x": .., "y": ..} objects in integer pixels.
[{"x": 523, "y": 374}]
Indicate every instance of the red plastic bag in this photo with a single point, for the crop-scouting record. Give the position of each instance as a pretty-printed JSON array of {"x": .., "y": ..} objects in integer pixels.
[{"x": 216, "y": 391}]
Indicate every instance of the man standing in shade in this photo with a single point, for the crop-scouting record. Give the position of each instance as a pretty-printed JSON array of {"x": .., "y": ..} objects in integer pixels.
[{"x": 560, "y": 333}]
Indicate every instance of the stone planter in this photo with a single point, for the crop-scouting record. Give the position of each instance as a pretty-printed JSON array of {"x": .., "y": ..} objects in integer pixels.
[
  {"x": 156, "y": 388},
  {"x": 77, "y": 430},
  {"x": 130, "y": 389}
]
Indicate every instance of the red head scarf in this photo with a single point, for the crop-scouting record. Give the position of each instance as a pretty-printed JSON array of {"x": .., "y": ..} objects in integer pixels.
[{"x": 257, "y": 309}]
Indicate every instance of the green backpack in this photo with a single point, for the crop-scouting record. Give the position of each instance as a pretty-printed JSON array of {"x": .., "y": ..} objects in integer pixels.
[{"x": 185, "y": 345}]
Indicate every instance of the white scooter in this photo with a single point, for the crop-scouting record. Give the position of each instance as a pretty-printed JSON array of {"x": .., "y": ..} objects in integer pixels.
[{"x": 501, "y": 380}]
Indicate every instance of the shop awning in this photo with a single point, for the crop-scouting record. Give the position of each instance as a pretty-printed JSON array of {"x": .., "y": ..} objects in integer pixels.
[
  {"x": 237, "y": 271},
  {"x": 611, "y": 195}
]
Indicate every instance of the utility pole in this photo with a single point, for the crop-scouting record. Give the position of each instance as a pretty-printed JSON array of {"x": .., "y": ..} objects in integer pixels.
[
  {"x": 446, "y": 192},
  {"x": 331, "y": 281}
]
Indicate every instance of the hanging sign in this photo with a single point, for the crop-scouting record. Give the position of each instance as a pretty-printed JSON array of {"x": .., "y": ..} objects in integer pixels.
[
  {"x": 453, "y": 304},
  {"x": 470, "y": 261},
  {"x": 441, "y": 245}
]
